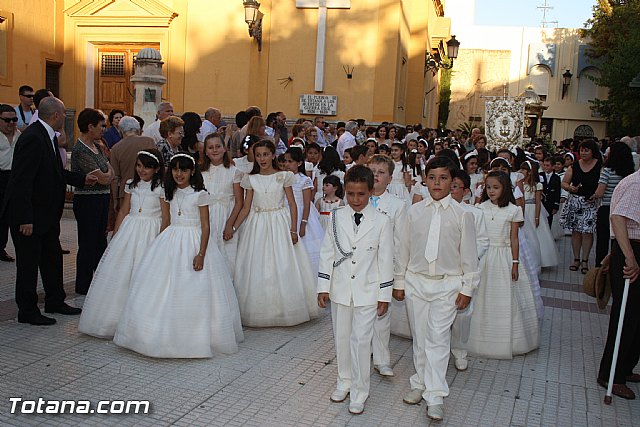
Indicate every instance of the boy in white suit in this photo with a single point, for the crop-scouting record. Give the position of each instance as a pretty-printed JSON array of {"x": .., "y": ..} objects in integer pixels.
[
  {"x": 395, "y": 208},
  {"x": 356, "y": 274},
  {"x": 437, "y": 266}
]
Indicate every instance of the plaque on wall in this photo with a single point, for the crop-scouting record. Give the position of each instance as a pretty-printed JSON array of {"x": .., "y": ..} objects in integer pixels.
[{"x": 319, "y": 105}]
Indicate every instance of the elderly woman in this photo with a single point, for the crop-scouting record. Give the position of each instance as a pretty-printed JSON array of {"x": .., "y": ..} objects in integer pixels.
[
  {"x": 580, "y": 210},
  {"x": 90, "y": 204},
  {"x": 172, "y": 132}
]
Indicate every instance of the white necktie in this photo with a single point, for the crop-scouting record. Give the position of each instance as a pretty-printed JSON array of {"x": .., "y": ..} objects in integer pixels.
[{"x": 433, "y": 238}]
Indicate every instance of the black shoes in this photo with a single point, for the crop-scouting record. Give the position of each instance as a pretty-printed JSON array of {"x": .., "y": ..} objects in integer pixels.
[
  {"x": 4, "y": 256},
  {"x": 36, "y": 319},
  {"x": 63, "y": 308}
]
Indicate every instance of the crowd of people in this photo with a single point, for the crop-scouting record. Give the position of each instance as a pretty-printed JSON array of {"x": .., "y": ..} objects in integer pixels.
[{"x": 217, "y": 225}]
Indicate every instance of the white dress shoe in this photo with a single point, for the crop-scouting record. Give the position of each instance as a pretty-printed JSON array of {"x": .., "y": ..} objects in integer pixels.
[
  {"x": 384, "y": 370},
  {"x": 436, "y": 412},
  {"x": 413, "y": 397},
  {"x": 356, "y": 408},
  {"x": 461, "y": 364},
  {"x": 339, "y": 396}
]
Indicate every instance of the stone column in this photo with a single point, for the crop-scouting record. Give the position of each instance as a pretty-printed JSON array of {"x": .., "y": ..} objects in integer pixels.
[{"x": 147, "y": 84}]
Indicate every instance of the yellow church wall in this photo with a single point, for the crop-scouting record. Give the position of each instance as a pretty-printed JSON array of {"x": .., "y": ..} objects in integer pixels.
[
  {"x": 210, "y": 60},
  {"x": 35, "y": 35}
]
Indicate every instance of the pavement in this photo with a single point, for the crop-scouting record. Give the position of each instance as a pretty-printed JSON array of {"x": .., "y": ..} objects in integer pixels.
[{"x": 284, "y": 376}]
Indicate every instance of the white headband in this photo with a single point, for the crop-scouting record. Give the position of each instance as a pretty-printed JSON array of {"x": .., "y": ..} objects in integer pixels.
[
  {"x": 499, "y": 158},
  {"x": 470, "y": 154},
  {"x": 153, "y": 156},
  {"x": 184, "y": 155}
]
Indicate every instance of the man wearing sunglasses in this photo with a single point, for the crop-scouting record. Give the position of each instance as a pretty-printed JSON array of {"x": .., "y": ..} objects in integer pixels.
[
  {"x": 24, "y": 110},
  {"x": 8, "y": 137}
]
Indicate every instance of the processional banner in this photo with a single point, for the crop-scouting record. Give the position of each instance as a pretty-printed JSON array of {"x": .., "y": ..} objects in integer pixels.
[{"x": 504, "y": 122}]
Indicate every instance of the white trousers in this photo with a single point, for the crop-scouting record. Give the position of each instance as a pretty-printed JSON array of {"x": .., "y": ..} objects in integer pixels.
[
  {"x": 352, "y": 331},
  {"x": 460, "y": 332},
  {"x": 431, "y": 305},
  {"x": 381, "y": 335}
]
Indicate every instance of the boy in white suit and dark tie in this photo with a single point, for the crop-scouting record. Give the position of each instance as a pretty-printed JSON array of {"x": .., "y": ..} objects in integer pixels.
[
  {"x": 437, "y": 267},
  {"x": 395, "y": 208},
  {"x": 356, "y": 274}
]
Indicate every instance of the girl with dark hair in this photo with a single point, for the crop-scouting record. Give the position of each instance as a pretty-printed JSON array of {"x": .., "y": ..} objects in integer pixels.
[
  {"x": 190, "y": 143},
  {"x": 244, "y": 163},
  {"x": 504, "y": 321},
  {"x": 580, "y": 210},
  {"x": 276, "y": 286},
  {"x": 332, "y": 199},
  {"x": 471, "y": 166},
  {"x": 309, "y": 227},
  {"x": 222, "y": 181},
  {"x": 182, "y": 302},
  {"x": 400, "y": 179},
  {"x": 381, "y": 135},
  {"x": 139, "y": 221},
  {"x": 329, "y": 165},
  {"x": 536, "y": 223},
  {"x": 618, "y": 165}
]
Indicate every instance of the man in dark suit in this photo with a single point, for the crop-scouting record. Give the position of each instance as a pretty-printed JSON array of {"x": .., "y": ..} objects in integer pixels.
[
  {"x": 551, "y": 189},
  {"x": 32, "y": 207}
]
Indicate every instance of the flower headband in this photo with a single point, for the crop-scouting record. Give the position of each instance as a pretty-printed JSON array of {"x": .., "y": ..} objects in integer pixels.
[
  {"x": 183, "y": 155},
  {"x": 153, "y": 156}
]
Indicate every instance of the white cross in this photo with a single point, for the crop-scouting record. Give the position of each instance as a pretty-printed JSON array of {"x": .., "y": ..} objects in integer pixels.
[{"x": 322, "y": 6}]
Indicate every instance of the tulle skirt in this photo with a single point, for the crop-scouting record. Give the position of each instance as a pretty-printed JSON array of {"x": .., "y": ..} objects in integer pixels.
[
  {"x": 273, "y": 279},
  {"x": 174, "y": 311},
  {"x": 548, "y": 250},
  {"x": 111, "y": 282}
]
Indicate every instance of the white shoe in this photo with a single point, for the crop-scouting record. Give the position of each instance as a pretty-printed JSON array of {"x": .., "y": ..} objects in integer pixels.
[
  {"x": 356, "y": 408},
  {"x": 461, "y": 364},
  {"x": 339, "y": 396},
  {"x": 384, "y": 370},
  {"x": 413, "y": 397},
  {"x": 436, "y": 412}
]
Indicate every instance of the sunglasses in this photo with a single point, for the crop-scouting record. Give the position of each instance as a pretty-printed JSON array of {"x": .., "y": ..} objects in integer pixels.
[
  {"x": 9, "y": 120},
  {"x": 27, "y": 96}
]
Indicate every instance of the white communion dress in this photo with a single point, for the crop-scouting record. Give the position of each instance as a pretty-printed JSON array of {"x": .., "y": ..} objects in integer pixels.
[
  {"x": 273, "y": 279},
  {"x": 397, "y": 185},
  {"x": 548, "y": 250},
  {"x": 314, "y": 233},
  {"x": 111, "y": 282},
  {"x": 219, "y": 182},
  {"x": 504, "y": 322},
  {"x": 174, "y": 311}
]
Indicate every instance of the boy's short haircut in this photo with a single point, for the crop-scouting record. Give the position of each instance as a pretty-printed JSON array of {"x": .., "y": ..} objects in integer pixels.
[
  {"x": 357, "y": 174},
  {"x": 357, "y": 151},
  {"x": 558, "y": 159},
  {"x": 441, "y": 162},
  {"x": 381, "y": 159},
  {"x": 464, "y": 177},
  {"x": 348, "y": 150},
  {"x": 548, "y": 159}
]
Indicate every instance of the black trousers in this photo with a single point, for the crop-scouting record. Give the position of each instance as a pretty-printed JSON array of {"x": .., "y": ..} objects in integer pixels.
[
  {"x": 91, "y": 212},
  {"x": 602, "y": 233},
  {"x": 39, "y": 251},
  {"x": 4, "y": 228},
  {"x": 629, "y": 351}
]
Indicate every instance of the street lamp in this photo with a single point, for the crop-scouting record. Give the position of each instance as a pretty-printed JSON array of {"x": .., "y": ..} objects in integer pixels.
[
  {"x": 253, "y": 18},
  {"x": 566, "y": 81},
  {"x": 434, "y": 61}
]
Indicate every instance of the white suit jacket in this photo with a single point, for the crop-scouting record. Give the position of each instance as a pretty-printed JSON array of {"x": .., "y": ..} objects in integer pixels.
[{"x": 358, "y": 266}]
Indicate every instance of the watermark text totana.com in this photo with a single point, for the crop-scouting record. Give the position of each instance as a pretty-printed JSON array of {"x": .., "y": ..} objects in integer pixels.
[{"x": 42, "y": 406}]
